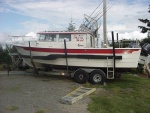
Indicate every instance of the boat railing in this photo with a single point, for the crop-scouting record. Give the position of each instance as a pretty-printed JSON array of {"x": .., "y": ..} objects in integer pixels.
[
  {"x": 122, "y": 43},
  {"x": 21, "y": 39}
]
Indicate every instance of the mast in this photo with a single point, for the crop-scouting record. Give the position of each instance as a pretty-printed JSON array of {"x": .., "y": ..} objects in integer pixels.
[{"x": 104, "y": 23}]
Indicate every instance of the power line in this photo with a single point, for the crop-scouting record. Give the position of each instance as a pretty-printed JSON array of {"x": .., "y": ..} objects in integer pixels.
[
  {"x": 100, "y": 12},
  {"x": 96, "y": 8},
  {"x": 108, "y": 8}
]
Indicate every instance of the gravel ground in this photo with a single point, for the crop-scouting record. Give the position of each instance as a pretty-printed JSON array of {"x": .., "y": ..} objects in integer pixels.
[{"x": 29, "y": 94}]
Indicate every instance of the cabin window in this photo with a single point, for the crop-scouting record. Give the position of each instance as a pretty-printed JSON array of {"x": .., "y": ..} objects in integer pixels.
[
  {"x": 64, "y": 36},
  {"x": 42, "y": 37},
  {"x": 48, "y": 37}
]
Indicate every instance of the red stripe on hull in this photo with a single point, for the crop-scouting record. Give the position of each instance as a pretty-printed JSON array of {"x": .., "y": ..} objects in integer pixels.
[{"x": 87, "y": 51}]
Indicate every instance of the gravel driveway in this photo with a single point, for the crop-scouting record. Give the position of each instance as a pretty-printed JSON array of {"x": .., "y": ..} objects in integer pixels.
[{"x": 29, "y": 94}]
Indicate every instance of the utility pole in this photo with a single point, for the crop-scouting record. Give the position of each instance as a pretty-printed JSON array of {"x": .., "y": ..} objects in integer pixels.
[{"x": 104, "y": 23}]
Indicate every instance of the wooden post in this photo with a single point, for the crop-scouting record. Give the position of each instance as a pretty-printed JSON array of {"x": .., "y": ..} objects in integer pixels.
[
  {"x": 34, "y": 67},
  {"x": 114, "y": 52},
  {"x": 65, "y": 45}
]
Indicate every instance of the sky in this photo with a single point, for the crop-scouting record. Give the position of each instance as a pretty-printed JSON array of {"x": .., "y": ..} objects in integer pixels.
[{"x": 27, "y": 17}]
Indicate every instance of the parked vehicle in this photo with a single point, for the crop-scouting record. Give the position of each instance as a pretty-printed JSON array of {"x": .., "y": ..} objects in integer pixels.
[{"x": 76, "y": 52}]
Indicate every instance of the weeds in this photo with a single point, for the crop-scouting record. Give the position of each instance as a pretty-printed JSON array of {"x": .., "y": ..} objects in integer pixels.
[
  {"x": 40, "y": 111},
  {"x": 12, "y": 108}
]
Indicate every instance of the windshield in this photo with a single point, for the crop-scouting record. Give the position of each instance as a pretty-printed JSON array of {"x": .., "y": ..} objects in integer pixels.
[
  {"x": 64, "y": 36},
  {"x": 47, "y": 37}
]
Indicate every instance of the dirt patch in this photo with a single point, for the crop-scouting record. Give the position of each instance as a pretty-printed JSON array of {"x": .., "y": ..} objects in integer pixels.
[{"x": 30, "y": 94}]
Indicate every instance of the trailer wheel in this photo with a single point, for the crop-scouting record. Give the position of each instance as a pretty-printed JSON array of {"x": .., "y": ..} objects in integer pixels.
[
  {"x": 80, "y": 76},
  {"x": 97, "y": 77}
]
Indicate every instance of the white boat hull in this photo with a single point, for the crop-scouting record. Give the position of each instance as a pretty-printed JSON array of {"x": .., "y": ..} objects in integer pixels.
[{"x": 129, "y": 58}]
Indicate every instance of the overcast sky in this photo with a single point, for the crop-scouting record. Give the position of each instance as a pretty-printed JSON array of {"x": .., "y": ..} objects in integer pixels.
[{"x": 20, "y": 17}]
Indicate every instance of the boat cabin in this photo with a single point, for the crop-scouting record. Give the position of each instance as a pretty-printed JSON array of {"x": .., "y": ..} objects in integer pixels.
[{"x": 73, "y": 39}]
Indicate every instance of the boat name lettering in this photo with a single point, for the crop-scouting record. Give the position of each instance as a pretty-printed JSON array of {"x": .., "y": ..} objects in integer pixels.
[{"x": 78, "y": 38}]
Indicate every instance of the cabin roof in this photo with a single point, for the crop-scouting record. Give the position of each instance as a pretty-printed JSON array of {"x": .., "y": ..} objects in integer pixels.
[{"x": 62, "y": 32}]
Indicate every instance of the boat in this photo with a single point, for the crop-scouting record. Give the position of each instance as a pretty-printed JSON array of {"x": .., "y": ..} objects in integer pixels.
[
  {"x": 77, "y": 50},
  {"x": 80, "y": 48}
]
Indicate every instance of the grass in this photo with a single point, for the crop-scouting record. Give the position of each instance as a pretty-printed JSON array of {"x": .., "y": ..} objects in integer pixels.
[
  {"x": 12, "y": 108},
  {"x": 14, "y": 89},
  {"x": 130, "y": 94},
  {"x": 40, "y": 111}
]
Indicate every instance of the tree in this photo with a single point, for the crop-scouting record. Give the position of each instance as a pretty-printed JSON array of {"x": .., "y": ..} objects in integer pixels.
[
  {"x": 145, "y": 40},
  {"x": 125, "y": 43},
  {"x": 147, "y": 22},
  {"x": 71, "y": 27},
  {"x": 4, "y": 55},
  {"x": 145, "y": 29},
  {"x": 1, "y": 48}
]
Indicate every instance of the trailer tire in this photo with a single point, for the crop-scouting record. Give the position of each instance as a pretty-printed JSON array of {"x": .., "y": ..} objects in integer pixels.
[
  {"x": 97, "y": 77},
  {"x": 80, "y": 76}
]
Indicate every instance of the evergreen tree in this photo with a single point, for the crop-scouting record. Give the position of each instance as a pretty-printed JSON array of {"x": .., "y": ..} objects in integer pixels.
[
  {"x": 4, "y": 56},
  {"x": 147, "y": 22},
  {"x": 145, "y": 40},
  {"x": 1, "y": 53},
  {"x": 71, "y": 27},
  {"x": 145, "y": 29},
  {"x": 1, "y": 48}
]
